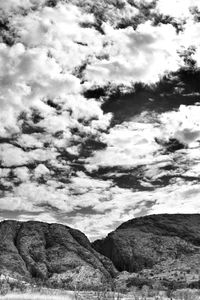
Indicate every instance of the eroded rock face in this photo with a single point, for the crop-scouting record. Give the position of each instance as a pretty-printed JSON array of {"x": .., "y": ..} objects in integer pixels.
[
  {"x": 162, "y": 243},
  {"x": 51, "y": 252}
]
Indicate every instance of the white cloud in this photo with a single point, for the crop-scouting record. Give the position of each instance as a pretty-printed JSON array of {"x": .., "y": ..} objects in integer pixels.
[
  {"x": 47, "y": 29},
  {"x": 41, "y": 170},
  {"x": 130, "y": 144},
  {"x": 28, "y": 76},
  {"x": 30, "y": 141},
  {"x": 42, "y": 217},
  {"x": 125, "y": 204},
  {"x": 137, "y": 55},
  {"x": 183, "y": 124},
  {"x": 22, "y": 173},
  {"x": 10, "y": 5},
  {"x": 110, "y": 205},
  {"x": 42, "y": 66},
  {"x": 134, "y": 143},
  {"x": 176, "y": 8},
  {"x": 12, "y": 156},
  {"x": 182, "y": 198}
]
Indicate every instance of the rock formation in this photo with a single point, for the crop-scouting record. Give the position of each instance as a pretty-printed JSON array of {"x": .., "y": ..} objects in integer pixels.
[
  {"x": 160, "y": 246},
  {"x": 146, "y": 250},
  {"x": 53, "y": 253}
]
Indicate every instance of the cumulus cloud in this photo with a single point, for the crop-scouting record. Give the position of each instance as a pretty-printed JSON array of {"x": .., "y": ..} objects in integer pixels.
[
  {"x": 29, "y": 75},
  {"x": 98, "y": 205},
  {"x": 11, "y": 5},
  {"x": 129, "y": 144},
  {"x": 137, "y": 55},
  {"x": 106, "y": 206},
  {"x": 61, "y": 157},
  {"x": 41, "y": 64},
  {"x": 156, "y": 151},
  {"x": 125, "y": 205},
  {"x": 177, "y": 8},
  {"x": 182, "y": 124},
  {"x": 12, "y": 156}
]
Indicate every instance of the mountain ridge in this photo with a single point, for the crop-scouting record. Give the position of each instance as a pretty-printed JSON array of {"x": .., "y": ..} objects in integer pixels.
[
  {"x": 155, "y": 248},
  {"x": 54, "y": 253}
]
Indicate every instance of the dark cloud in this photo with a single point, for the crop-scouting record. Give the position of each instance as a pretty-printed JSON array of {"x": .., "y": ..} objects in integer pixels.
[
  {"x": 8, "y": 34},
  {"x": 178, "y": 88},
  {"x": 16, "y": 214}
]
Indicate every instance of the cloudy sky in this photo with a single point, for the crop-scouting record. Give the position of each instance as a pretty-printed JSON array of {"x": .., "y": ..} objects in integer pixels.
[{"x": 99, "y": 110}]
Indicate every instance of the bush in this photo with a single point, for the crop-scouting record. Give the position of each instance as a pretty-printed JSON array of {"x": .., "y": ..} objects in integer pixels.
[
  {"x": 10, "y": 284},
  {"x": 139, "y": 282},
  {"x": 186, "y": 294}
]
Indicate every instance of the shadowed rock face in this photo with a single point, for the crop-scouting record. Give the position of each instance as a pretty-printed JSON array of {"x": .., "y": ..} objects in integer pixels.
[
  {"x": 51, "y": 252},
  {"x": 158, "y": 242}
]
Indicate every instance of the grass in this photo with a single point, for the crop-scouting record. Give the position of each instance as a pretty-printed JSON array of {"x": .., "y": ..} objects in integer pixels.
[
  {"x": 37, "y": 297},
  {"x": 37, "y": 294},
  {"x": 185, "y": 295},
  {"x": 11, "y": 289},
  {"x": 65, "y": 296}
]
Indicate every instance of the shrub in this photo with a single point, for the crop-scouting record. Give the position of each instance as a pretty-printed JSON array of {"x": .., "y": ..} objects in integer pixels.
[{"x": 139, "y": 282}]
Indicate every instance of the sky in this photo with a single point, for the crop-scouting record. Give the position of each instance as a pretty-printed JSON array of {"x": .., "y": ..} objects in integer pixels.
[{"x": 99, "y": 110}]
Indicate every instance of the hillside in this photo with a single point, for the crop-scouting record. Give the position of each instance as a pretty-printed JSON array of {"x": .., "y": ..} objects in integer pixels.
[
  {"x": 51, "y": 253},
  {"x": 158, "y": 250},
  {"x": 163, "y": 247}
]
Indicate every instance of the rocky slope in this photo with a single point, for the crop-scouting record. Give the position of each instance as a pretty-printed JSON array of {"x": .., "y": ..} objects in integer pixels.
[
  {"x": 157, "y": 249},
  {"x": 53, "y": 253},
  {"x": 157, "y": 246}
]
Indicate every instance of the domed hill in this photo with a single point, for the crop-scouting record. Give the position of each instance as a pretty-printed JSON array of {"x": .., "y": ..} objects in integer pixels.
[
  {"x": 55, "y": 253},
  {"x": 161, "y": 243}
]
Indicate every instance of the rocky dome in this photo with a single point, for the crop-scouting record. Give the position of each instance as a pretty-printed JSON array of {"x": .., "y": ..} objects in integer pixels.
[
  {"x": 51, "y": 253},
  {"x": 161, "y": 244}
]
